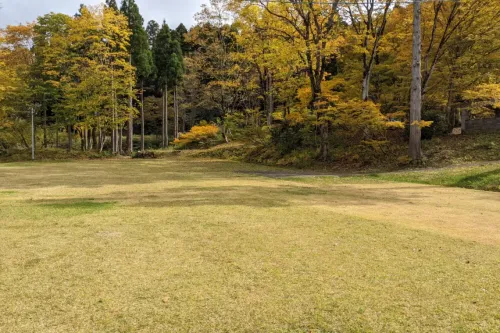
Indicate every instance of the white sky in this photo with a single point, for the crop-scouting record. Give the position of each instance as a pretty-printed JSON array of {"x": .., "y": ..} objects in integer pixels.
[{"x": 173, "y": 11}]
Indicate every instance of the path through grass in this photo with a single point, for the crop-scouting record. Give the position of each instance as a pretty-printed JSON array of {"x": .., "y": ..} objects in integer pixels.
[{"x": 204, "y": 246}]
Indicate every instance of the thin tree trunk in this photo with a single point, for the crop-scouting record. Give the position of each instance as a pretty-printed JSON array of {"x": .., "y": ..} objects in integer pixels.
[
  {"x": 449, "y": 104},
  {"x": 142, "y": 116},
  {"x": 270, "y": 99},
  {"x": 82, "y": 139},
  {"x": 415, "y": 146},
  {"x": 163, "y": 120},
  {"x": 45, "y": 126},
  {"x": 130, "y": 136},
  {"x": 100, "y": 145},
  {"x": 176, "y": 115},
  {"x": 94, "y": 138},
  {"x": 184, "y": 121},
  {"x": 166, "y": 116},
  {"x": 120, "y": 137},
  {"x": 70, "y": 139},
  {"x": 57, "y": 138}
]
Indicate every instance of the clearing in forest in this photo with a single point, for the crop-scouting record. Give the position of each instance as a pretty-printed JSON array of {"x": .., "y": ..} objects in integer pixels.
[{"x": 204, "y": 245}]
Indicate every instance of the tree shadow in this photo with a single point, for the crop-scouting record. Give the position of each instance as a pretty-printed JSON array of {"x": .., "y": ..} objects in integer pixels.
[
  {"x": 262, "y": 196},
  {"x": 480, "y": 178}
]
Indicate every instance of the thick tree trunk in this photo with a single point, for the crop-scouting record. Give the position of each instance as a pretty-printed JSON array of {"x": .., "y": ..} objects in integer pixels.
[
  {"x": 415, "y": 146},
  {"x": 324, "y": 151},
  {"x": 142, "y": 116},
  {"x": 366, "y": 86}
]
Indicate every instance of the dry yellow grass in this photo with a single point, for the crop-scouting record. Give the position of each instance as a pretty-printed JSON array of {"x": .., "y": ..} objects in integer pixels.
[{"x": 199, "y": 246}]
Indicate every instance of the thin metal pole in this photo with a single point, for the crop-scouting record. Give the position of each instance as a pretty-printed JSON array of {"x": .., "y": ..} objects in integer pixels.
[{"x": 33, "y": 133}]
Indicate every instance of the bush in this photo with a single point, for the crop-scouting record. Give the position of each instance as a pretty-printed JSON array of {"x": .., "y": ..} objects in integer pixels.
[
  {"x": 439, "y": 124},
  {"x": 201, "y": 136},
  {"x": 300, "y": 158},
  {"x": 146, "y": 154},
  {"x": 286, "y": 138}
]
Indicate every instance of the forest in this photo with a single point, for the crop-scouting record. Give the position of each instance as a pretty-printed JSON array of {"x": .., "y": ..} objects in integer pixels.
[{"x": 298, "y": 81}]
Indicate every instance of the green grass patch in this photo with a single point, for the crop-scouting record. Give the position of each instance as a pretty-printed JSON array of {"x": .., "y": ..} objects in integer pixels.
[
  {"x": 7, "y": 193},
  {"x": 84, "y": 206},
  {"x": 485, "y": 177}
]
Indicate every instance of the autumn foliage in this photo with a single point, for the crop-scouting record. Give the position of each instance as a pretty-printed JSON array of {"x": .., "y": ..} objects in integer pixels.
[
  {"x": 299, "y": 79},
  {"x": 198, "y": 136}
]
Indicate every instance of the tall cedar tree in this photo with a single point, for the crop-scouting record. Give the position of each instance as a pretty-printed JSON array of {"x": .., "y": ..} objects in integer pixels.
[
  {"x": 140, "y": 54},
  {"x": 152, "y": 30},
  {"x": 177, "y": 64},
  {"x": 181, "y": 32},
  {"x": 112, "y": 4},
  {"x": 167, "y": 55}
]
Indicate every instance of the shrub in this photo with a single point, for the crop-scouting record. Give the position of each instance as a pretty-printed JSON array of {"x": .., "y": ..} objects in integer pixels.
[{"x": 200, "y": 136}]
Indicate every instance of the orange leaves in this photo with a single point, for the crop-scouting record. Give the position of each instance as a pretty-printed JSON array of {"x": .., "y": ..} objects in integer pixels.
[{"x": 200, "y": 134}]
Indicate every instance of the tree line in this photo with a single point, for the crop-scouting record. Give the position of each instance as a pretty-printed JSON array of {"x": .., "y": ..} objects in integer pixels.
[{"x": 322, "y": 80}]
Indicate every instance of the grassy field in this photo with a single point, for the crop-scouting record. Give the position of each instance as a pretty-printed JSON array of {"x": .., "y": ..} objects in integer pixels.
[{"x": 187, "y": 245}]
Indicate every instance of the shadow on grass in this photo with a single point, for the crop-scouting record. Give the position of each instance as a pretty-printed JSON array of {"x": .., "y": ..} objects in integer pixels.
[
  {"x": 249, "y": 196},
  {"x": 489, "y": 180},
  {"x": 96, "y": 174}
]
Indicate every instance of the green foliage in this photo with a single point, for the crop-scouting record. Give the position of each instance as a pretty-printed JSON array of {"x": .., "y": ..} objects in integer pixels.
[
  {"x": 167, "y": 56},
  {"x": 287, "y": 138},
  {"x": 141, "y": 56},
  {"x": 152, "y": 29}
]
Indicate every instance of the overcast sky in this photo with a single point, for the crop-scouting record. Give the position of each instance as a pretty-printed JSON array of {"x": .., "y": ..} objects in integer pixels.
[{"x": 173, "y": 11}]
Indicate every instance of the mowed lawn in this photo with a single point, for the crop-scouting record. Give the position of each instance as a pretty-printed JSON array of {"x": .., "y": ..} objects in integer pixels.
[{"x": 186, "y": 245}]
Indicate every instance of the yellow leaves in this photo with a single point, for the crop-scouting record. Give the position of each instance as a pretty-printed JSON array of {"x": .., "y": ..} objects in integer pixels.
[
  {"x": 489, "y": 91},
  {"x": 224, "y": 84},
  {"x": 422, "y": 123},
  {"x": 394, "y": 124},
  {"x": 19, "y": 36},
  {"x": 304, "y": 96},
  {"x": 295, "y": 118},
  {"x": 375, "y": 144},
  {"x": 396, "y": 115},
  {"x": 200, "y": 134}
]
